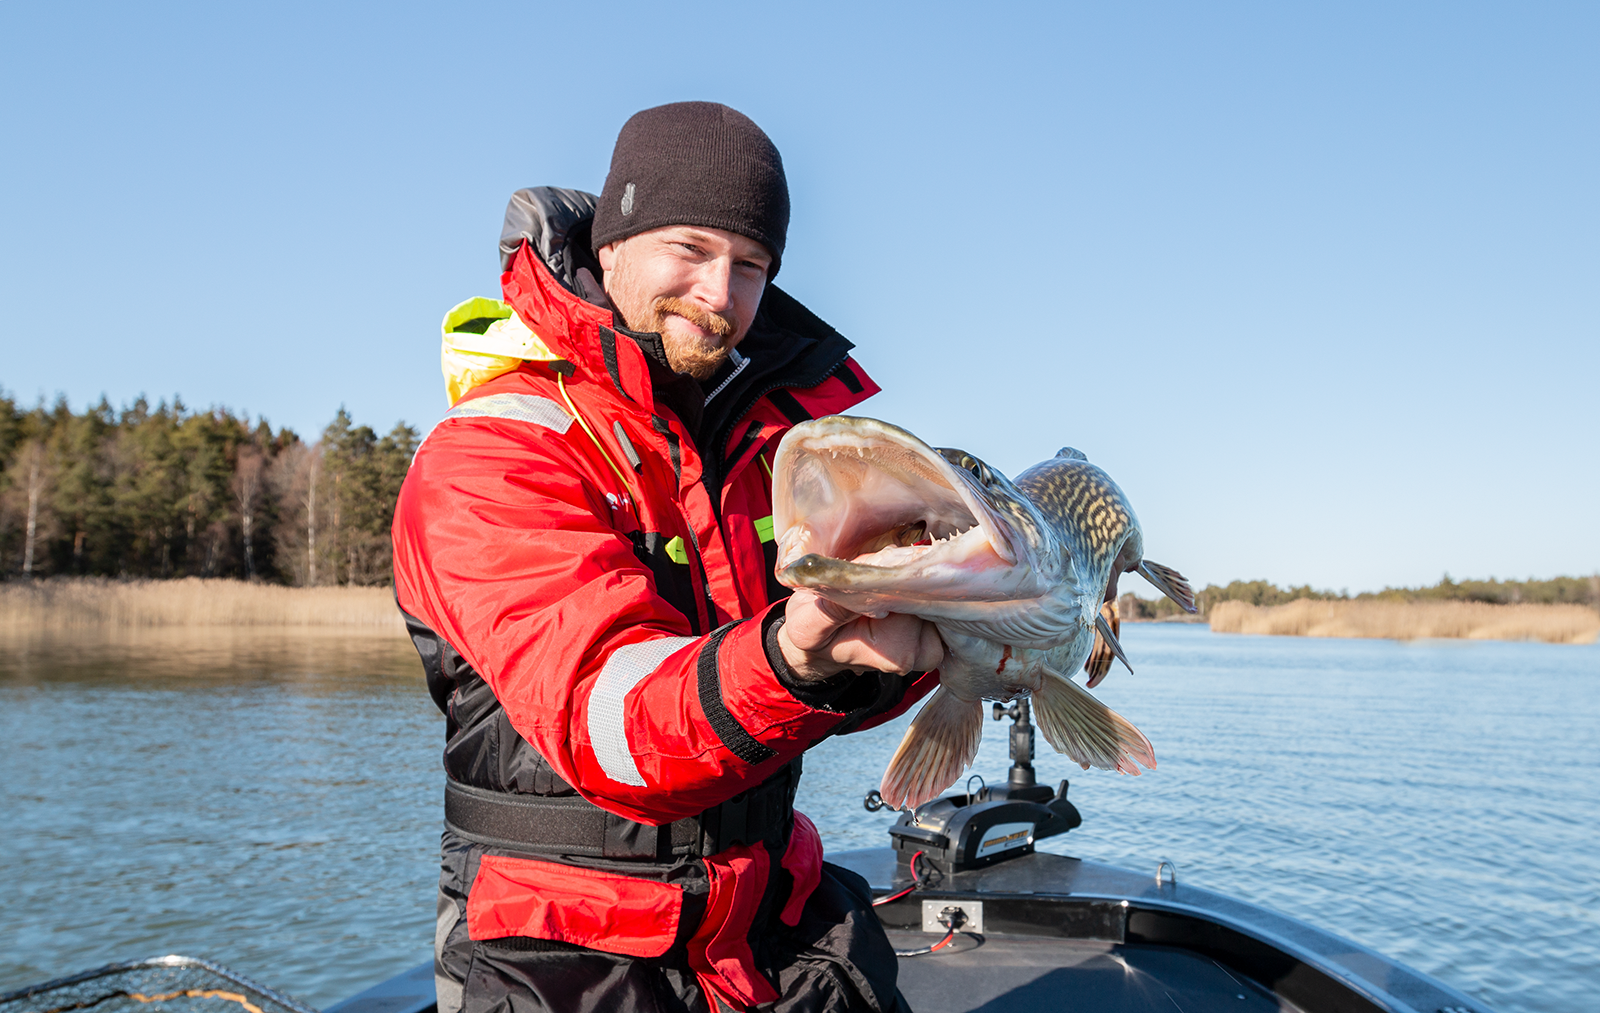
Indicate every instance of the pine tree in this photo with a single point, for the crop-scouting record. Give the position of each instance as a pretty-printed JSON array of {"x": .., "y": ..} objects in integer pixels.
[{"x": 169, "y": 492}]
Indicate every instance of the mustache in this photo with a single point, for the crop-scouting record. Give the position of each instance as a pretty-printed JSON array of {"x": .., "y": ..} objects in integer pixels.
[{"x": 723, "y": 327}]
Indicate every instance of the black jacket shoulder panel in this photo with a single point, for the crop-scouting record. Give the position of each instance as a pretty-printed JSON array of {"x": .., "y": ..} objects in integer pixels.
[
  {"x": 546, "y": 216},
  {"x": 434, "y": 653}
]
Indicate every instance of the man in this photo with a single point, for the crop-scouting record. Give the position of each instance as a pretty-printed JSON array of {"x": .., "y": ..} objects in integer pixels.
[{"x": 583, "y": 550}]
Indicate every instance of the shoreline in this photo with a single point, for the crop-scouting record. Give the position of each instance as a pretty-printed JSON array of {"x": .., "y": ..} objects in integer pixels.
[
  {"x": 1414, "y": 620},
  {"x": 91, "y": 605},
  {"x": 86, "y": 604}
]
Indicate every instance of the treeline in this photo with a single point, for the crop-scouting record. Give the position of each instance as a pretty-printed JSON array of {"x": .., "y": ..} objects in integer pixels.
[
  {"x": 169, "y": 492},
  {"x": 1558, "y": 591}
]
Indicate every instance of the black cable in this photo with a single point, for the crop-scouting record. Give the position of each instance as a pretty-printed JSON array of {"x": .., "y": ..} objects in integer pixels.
[
  {"x": 951, "y": 918},
  {"x": 941, "y": 944},
  {"x": 916, "y": 881}
]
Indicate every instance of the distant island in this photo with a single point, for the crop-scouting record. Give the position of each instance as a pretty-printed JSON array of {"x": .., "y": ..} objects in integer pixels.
[{"x": 1563, "y": 610}]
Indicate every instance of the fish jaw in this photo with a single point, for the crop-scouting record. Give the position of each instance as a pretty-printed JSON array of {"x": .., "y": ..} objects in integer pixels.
[
  {"x": 923, "y": 586},
  {"x": 847, "y": 492}
]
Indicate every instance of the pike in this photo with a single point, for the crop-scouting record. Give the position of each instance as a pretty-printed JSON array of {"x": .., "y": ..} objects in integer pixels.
[{"x": 1012, "y": 573}]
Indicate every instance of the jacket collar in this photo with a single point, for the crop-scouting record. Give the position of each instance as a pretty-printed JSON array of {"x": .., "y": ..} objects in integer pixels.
[{"x": 787, "y": 345}]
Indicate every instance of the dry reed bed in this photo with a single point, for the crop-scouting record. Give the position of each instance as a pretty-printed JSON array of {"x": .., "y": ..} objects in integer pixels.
[
  {"x": 1552, "y": 624},
  {"x": 66, "y": 604}
]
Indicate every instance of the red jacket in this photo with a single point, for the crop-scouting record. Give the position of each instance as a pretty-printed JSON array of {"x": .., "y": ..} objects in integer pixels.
[{"x": 553, "y": 572}]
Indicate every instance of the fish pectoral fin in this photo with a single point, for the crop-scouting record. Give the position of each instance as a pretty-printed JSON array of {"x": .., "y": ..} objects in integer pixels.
[
  {"x": 1088, "y": 731},
  {"x": 1170, "y": 583},
  {"x": 941, "y": 743},
  {"x": 1104, "y": 633},
  {"x": 1101, "y": 656}
]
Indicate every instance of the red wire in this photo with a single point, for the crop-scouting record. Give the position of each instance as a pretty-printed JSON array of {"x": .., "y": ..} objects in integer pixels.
[
  {"x": 916, "y": 881},
  {"x": 949, "y": 937}
]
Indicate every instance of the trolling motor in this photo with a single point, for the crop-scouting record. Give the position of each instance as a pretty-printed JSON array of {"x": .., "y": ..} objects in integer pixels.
[{"x": 977, "y": 829}]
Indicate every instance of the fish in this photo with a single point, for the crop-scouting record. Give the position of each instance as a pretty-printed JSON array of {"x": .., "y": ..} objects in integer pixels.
[{"x": 1013, "y": 573}]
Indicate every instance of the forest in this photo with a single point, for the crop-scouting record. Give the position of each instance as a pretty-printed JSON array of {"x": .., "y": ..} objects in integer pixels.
[
  {"x": 159, "y": 492},
  {"x": 1555, "y": 591}
]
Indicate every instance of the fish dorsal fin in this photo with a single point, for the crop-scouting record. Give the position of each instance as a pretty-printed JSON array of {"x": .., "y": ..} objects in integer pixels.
[{"x": 1072, "y": 454}]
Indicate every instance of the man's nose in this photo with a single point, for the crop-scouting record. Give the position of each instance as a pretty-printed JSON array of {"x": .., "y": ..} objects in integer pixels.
[{"x": 713, "y": 284}]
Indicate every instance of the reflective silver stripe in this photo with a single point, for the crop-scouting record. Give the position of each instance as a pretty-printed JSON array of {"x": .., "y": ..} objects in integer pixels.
[
  {"x": 521, "y": 407},
  {"x": 625, "y": 669},
  {"x": 540, "y": 411}
]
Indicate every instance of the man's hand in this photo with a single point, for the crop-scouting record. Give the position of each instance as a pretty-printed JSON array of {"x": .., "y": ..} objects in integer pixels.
[{"x": 820, "y": 639}]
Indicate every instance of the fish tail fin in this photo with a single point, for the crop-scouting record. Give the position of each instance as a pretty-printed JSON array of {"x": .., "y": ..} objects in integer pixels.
[
  {"x": 1088, "y": 731},
  {"x": 939, "y": 745},
  {"x": 1101, "y": 656},
  {"x": 1170, "y": 583}
]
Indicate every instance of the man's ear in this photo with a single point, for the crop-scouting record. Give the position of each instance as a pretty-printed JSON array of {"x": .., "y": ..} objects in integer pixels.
[{"x": 607, "y": 255}]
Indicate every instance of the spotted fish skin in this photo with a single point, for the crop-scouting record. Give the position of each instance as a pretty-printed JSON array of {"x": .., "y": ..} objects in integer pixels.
[
  {"x": 1082, "y": 498},
  {"x": 1081, "y": 532},
  {"x": 1089, "y": 511},
  {"x": 1013, "y": 574}
]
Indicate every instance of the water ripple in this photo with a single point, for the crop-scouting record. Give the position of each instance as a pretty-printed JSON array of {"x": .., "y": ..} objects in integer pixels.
[
  {"x": 276, "y": 806},
  {"x": 1433, "y": 801}
]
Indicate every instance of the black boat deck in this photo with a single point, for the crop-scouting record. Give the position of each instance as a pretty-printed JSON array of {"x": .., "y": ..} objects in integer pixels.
[
  {"x": 1053, "y": 925},
  {"x": 1043, "y": 975}
]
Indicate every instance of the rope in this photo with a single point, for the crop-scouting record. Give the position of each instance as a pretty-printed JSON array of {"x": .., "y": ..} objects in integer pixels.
[
  {"x": 561, "y": 384},
  {"x": 199, "y": 993},
  {"x": 190, "y": 993}
]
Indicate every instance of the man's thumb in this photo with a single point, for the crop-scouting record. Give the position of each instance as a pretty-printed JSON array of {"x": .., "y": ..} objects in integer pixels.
[{"x": 812, "y": 619}]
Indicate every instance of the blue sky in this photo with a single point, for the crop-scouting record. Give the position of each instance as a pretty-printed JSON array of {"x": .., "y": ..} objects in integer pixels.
[{"x": 1316, "y": 283}]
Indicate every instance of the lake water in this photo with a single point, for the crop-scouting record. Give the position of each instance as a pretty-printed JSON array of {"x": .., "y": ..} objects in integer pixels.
[{"x": 275, "y": 806}]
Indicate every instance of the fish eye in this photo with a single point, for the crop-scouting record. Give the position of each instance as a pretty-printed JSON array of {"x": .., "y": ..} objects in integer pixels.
[{"x": 966, "y": 462}]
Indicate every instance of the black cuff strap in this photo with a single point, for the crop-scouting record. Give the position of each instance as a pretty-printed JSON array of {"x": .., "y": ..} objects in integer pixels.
[
  {"x": 856, "y": 695},
  {"x": 821, "y": 695},
  {"x": 733, "y": 735}
]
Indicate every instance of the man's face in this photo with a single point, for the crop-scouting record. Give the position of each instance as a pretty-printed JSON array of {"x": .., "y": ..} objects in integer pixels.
[{"x": 698, "y": 287}]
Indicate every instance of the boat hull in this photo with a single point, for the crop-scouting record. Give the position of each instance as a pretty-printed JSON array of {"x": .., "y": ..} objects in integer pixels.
[{"x": 1064, "y": 933}]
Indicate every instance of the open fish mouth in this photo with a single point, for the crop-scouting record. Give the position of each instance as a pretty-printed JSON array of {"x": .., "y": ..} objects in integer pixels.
[{"x": 863, "y": 505}]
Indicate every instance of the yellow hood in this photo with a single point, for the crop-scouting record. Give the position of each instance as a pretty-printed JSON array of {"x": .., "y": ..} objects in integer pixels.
[{"x": 481, "y": 339}]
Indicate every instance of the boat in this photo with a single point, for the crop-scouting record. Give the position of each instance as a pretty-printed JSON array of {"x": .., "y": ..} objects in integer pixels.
[{"x": 982, "y": 922}]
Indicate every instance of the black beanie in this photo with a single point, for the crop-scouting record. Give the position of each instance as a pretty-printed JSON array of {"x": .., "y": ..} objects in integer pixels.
[{"x": 695, "y": 163}]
